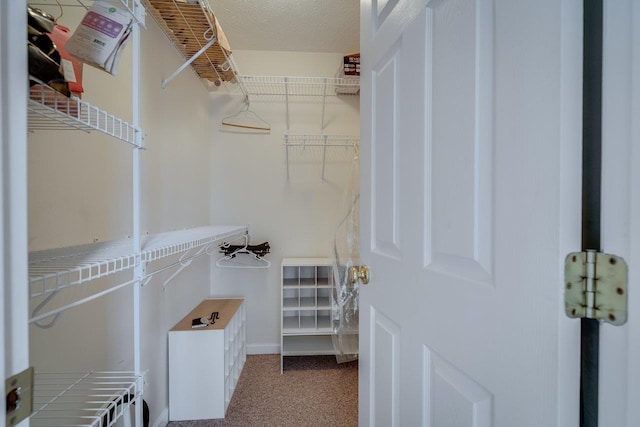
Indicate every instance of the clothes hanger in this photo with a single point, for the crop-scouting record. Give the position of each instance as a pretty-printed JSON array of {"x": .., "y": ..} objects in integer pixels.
[
  {"x": 233, "y": 258},
  {"x": 246, "y": 119}
]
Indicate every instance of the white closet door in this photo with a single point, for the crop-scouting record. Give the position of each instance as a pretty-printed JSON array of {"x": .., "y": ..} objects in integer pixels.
[{"x": 470, "y": 151}]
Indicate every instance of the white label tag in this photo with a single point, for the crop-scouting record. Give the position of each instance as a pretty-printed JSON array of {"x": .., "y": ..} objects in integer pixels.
[{"x": 67, "y": 69}]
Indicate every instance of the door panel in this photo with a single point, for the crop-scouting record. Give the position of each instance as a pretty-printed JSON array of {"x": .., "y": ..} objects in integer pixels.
[
  {"x": 458, "y": 401},
  {"x": 469, "y": 202},
  {"x": 385, "y": 374},
  {"x": 460, "y": 234},
  {"x": 385, "y": 182}
]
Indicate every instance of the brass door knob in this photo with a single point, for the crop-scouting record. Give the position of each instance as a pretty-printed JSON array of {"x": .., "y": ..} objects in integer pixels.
[{"x": 360, "y": 273}]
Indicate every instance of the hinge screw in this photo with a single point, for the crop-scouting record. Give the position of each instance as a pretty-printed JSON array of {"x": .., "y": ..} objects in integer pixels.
[
  {"x": 612, "y": 261},
  {"x": 620, "y": 291},
  {"x": 569, "y": 285},
  {"x": 612, "y": 317}
]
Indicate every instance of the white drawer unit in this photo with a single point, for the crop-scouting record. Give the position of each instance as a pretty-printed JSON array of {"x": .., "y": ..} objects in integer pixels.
[
  {"x": 205, "y": 363},
  {"x": 307, "y": 292}
]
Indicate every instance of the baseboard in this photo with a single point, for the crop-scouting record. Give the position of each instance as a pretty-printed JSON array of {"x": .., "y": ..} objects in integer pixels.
[
  {"x": 163, "y": 419},
  {"x": 263, "y": 349}
]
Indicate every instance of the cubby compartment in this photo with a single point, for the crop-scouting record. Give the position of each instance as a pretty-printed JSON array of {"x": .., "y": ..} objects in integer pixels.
[{"x": 307, "y": 292}]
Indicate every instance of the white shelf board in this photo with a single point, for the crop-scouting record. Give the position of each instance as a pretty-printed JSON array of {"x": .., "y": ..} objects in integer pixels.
[
  {"x": 290, "y": 304},
  {"x": 307, "y": 345},
  {"x": 306, "y": 325},
  {"x": 290, "y": 323},
  {"x": 308, "y": 322},
  {"x": 324, "y": 323},
  {"x": 290, "y": 283},
  {"x": 55, "y": 269},
  {"x": 83, "y": 399},
  {"x": 307, "y": 282},
  {"x": 324, "y": 303},
  {"x": 307, "y": 302}
]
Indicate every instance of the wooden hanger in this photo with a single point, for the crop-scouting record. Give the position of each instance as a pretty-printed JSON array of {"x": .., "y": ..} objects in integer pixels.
[{"x": 246, "y": 119}]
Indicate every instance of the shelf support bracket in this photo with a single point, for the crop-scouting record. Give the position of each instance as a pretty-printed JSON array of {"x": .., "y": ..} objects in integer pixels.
[
  {"x": 210, "y": 43},
  {"x": 324, "y": 151},
  {"x": 286, "y": 96},
  {"x": 324, "y": 101},
  {"x": 286, "y": 144}
]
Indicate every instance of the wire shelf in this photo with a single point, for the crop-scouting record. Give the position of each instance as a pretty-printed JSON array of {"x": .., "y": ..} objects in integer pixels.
[
  {"x": 175, "y": 242},
  {"x": 190, "y": 25},
  {"x": 321, "y": 140},
  {"x": 55, "y": 269},
  {"x": 83, "y": 399},
  {"x": 51, "y": 110},
  {"x": 300, "y": 86}
]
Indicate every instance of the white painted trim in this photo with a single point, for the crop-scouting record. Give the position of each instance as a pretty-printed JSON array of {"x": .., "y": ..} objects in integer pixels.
[
  {"x": 13, "y": 111},
  {"x": 263, "y": 348},
  {"x": 163, "y": 419}
]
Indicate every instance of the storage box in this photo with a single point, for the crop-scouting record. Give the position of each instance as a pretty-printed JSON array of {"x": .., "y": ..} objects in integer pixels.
[
  {"x": 101, "y": 36},
  {"x": 351, "y": 64}
]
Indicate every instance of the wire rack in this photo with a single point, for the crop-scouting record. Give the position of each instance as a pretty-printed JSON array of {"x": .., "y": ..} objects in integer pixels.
[
  {"x": 51, "y": 110},
  {"x": 300, "y": 86},
  {"x": 190, "y": 25},
  {"x": 172, "y": 243},
  {"x": 319, "y": 140},
  {"x": 83, "y": 399},
  {"x": 55, "y": 269}
]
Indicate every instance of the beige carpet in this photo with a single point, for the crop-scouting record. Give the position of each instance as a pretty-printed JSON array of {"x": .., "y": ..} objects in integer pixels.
[{"x": 313, "y": 391}]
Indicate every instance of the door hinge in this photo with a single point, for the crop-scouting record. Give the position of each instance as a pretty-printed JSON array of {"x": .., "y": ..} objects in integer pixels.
[
  {"x": 19, "y": 390},
  {"x": 595, "y": 287}
]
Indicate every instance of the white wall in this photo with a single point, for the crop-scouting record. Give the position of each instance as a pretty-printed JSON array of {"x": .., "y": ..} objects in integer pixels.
[
  {"x": 80, "y": 191},
  {"x": 297, "y": 217}
]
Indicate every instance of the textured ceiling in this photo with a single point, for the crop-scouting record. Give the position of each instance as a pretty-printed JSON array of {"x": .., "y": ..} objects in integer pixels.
[{"x": 290, "y": 25}]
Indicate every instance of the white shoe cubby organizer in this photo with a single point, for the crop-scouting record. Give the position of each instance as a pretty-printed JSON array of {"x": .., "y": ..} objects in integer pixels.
[
  {"x": 205, "y": 363},
  {"x": 307, "y": 285}
]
